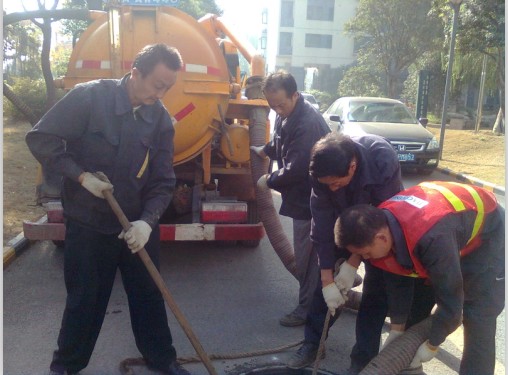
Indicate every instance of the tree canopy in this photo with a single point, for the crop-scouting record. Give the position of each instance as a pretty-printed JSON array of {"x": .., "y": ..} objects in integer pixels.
[{"x": 393, "y": 35}]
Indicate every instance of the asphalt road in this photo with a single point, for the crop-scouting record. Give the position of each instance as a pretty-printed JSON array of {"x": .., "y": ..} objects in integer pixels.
[{"x": 232, "y": 297}]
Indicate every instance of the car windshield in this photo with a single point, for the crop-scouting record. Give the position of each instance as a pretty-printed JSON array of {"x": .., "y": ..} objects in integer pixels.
[
  {"x": 309, "y": 98},
  {"x": 380, "y": 112}
]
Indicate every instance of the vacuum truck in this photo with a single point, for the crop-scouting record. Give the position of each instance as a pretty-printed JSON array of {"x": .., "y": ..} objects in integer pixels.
[{"x": 218, "y": 114}]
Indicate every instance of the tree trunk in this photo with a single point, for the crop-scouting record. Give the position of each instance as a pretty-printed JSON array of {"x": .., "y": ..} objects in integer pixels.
[
  {"x": 498, "y": 128},
  {"x": 46, "y": 65}
]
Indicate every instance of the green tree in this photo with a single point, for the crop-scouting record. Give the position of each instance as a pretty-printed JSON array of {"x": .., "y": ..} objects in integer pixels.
[
  {"x": 21, "y": 50},
  {"x": 59, "y": 60},
  {"x": 483, "y": 33},
  {"x": 395, "y": 34},
  {"x": 199, "y": 8},
  {"x": 360, "y": 80},
  {"x": 74, "y": 27}
]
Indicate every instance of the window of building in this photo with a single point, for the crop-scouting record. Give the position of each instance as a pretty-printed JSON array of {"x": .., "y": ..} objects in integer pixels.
[
  {"x": 321, "y": 10},
  {"x": 318, "y": 41},
  {"x": 286, "y": 14},
  {"x": 285, "y": 43}
]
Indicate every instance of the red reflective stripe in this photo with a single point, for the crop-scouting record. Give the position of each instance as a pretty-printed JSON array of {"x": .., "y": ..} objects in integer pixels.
[
  {"x": 185, "y": 111},
  {"x": 224, "y": 217},
  {"x": 91, "y": 64},
  {"x": 167, "y": 232},
  {"x": 213, "y": 71},
  {"x": 239, "y": 232}
]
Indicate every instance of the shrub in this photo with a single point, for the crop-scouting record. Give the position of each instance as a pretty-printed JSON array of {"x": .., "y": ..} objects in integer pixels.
[{"x": 32, "y": 93}]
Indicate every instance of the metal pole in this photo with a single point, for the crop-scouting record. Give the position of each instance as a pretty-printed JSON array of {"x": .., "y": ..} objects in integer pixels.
[
  {"x": 456, "y": 6},
  {"x": 479, "y": 109}
]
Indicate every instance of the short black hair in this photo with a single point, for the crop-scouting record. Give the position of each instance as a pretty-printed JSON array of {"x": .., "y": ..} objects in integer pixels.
[
  {"x": 280, "y": 80},
  {"x": 332, "y": 155},
  {"x": 358, "y": 225},
  {"x": 153, "y": 54}
]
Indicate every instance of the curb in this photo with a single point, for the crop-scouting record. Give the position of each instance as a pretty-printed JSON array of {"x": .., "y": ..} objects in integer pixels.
[
  {"x": 496, "y": 189},
  {"x": 14, "y": 248},
  {"x": 19, "y": 243}
]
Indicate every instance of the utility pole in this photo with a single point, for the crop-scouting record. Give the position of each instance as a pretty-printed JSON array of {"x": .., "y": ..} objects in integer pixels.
[{"x": 455, "y": 4}]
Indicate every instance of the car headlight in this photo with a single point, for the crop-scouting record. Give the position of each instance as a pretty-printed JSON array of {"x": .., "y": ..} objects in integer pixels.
[{"x": 433, "y": 144}]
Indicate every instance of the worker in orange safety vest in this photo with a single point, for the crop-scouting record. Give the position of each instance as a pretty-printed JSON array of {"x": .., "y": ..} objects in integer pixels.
[{"x": 453, "y": 235}]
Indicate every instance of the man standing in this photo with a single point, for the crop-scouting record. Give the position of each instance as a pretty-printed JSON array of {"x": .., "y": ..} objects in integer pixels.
[
  {"x": 298, "y": 126},
  {"x": 452, "y": 234},
  {"x": 118, "y": 129},
  {"x": 346, "y": 171}
]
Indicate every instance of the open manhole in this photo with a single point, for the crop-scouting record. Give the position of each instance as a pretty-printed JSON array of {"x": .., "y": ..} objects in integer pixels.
[{"x": 283, "y": 370}]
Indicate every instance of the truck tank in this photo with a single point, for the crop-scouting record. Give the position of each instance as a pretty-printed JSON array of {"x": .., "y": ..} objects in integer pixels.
[
  {"x": 202, "y": 85},
  {"x": 215, "y": 195}
]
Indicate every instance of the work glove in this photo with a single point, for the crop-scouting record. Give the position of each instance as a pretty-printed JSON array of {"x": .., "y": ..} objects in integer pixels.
[
  {"x": 345, "y": 278},
  {"x": 259, "y": 151},
  {"x": 263, "y": 182},
  {"x": 137, "y": 236},
  {"x": 424, "y": 354},
  {"x": 96, "y": 183},
  {"x": 391, "y": 336},
  {"x": 333, "y": 297}
]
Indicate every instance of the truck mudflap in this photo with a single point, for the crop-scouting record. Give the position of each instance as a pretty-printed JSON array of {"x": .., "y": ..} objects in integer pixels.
[{"x": 44, "y": 230}]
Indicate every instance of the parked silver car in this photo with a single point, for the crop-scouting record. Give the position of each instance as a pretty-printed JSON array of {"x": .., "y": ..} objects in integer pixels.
[
  {"x": 417, "y": 147},
  {"x": 311, "y": 99}
]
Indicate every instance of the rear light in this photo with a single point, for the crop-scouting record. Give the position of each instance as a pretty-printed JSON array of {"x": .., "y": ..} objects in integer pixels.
[{"x": 224, "y": 212}]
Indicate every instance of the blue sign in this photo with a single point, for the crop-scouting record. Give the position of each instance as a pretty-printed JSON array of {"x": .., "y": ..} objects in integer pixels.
[{"x": 153, "y": 3}]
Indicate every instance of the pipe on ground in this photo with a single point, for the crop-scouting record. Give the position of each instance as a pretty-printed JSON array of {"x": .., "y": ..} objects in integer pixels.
[
  {"x": 266, "y": 210},
  {"x": 400, "y": 352}
]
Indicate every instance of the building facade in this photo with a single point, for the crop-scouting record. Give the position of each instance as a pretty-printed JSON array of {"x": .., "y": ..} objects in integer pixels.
[{"x": 306, "y": 38}]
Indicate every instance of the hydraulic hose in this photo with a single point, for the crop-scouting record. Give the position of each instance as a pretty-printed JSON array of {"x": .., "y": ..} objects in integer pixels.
[
  {"x": 399, "y": 353},
  {"x": 266, "y": 210}
]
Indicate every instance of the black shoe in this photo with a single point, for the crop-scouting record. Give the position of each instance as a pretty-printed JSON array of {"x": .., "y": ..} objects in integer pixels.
[
  {"x": 305, "y": 356},
  {"x": 291, "y": 320},
  {"x": 177, "y": 369}
]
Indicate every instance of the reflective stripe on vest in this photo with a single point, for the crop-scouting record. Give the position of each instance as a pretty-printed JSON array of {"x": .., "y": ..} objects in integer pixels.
[
  {"x": 420, "y": 207},
  {"x": 458, "y": 205}
]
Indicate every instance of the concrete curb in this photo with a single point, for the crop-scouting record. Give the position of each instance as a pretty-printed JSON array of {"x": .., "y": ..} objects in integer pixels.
[
  {"x": 496, "y": 189},
  {"x": 16, "y": 246}
]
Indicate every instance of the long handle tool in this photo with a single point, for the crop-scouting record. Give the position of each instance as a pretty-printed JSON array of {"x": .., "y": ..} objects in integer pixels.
[{"x": 157, "y": 278}]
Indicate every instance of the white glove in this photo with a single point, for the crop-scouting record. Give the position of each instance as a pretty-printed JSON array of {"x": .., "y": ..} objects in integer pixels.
[
  {"x": 95, "y": 185},
  {"x": 259, "y": 151},
  {"x": 345, "y": 278},
  {"x": 262, "y": 182},
  {"x": 391, "y": 336},
  {"x": 423, "y": 354},
  {"x": 333, "y": 297},
  {"x": 137, "y": 236}
]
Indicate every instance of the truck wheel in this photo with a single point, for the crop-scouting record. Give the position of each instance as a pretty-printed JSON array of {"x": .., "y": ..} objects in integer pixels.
[{"x": 252, "y": 218}]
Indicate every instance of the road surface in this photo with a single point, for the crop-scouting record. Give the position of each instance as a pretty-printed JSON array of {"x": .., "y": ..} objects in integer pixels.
[{"x": 232, "y": 297}]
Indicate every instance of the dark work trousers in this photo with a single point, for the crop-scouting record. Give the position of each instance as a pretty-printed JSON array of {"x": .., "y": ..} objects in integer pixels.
[
  {"x": 371, "y": 315},
  {"x": 307, "y": 268},
  {"x": 483, "y": 273},
  {"x": 90, "y": 263},
  {"x": 374, "y": 308},
  {"x": 369, "y": 322}
]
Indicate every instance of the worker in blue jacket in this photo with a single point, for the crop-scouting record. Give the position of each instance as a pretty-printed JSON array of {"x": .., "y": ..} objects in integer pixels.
[
  {"x": 298, "y": 126},
  {"x": 453, "y": 235},
  {"x": 117, "y": 129},
  {"x": 346, "y": 171}
]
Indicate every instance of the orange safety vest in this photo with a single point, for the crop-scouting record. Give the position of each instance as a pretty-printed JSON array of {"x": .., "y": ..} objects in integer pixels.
[{"x": 420, "y": 207}]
